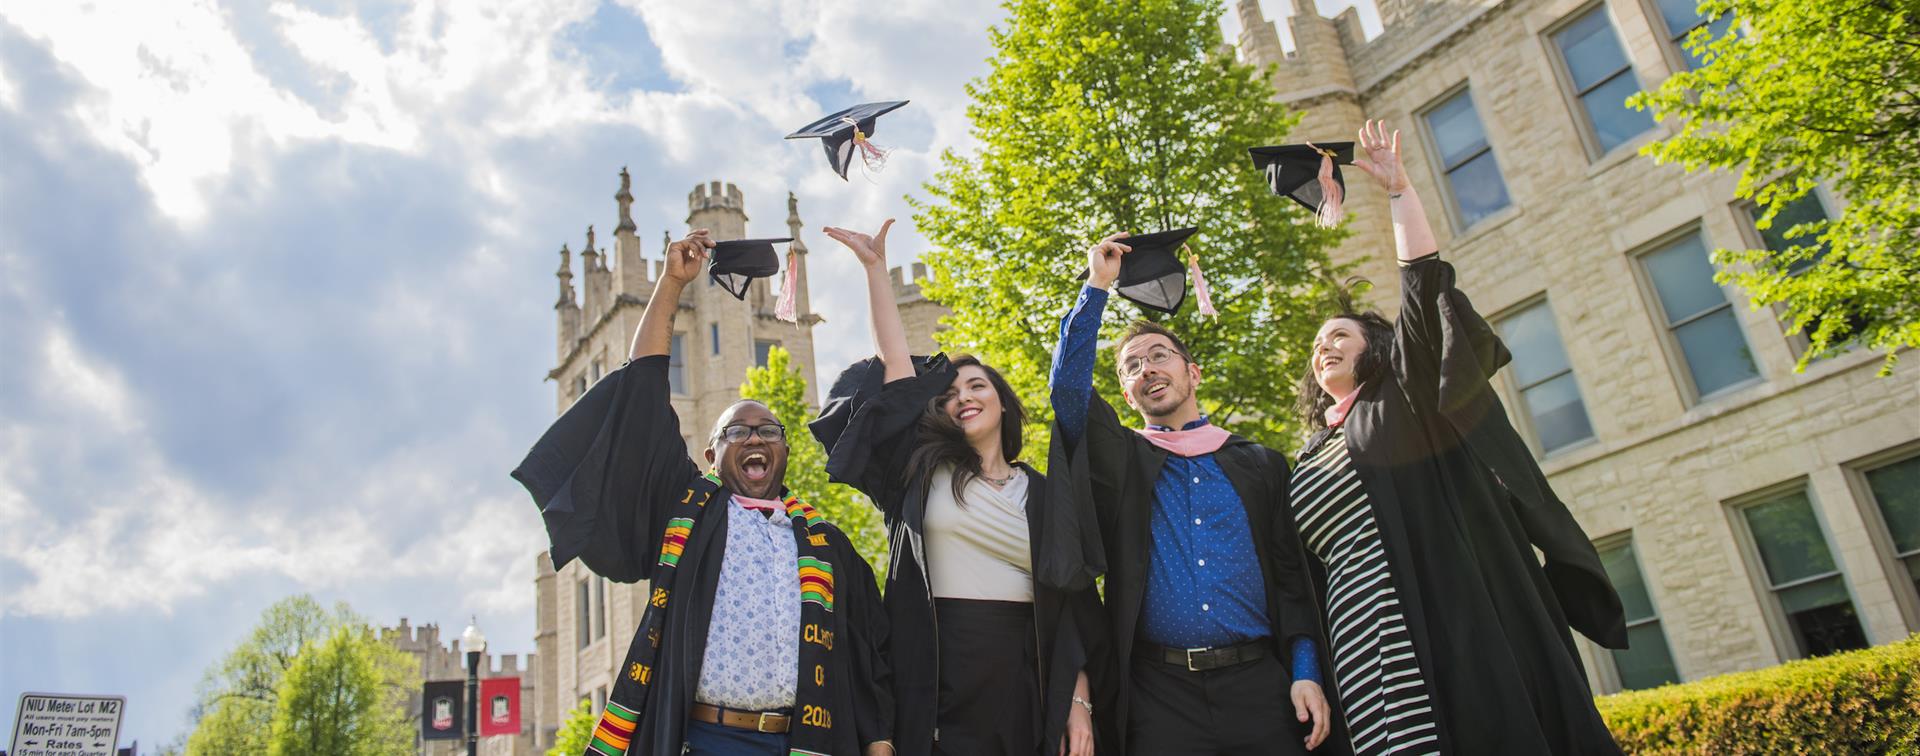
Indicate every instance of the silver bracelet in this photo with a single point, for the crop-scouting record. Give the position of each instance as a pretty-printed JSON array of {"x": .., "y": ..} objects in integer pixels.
[{"x": 1085, "y": 704}]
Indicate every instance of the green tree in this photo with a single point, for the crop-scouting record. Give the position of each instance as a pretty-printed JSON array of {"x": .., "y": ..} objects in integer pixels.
[
  {"x": 1097, "y": 117},
  {"x": 783, "y": 389},
  {"x": 1814, "y": 91},
  {"x": 237, "y": 699},
  {"x": 576, "y": 731},
  {"x": 346, "y": 696}
]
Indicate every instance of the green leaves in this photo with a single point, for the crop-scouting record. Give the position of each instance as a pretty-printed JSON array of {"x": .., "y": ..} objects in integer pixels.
[
  {"x": 1099, "y": 117},
  {"x": 576, "y": 731},
  {"x": 1815, "y": 91},
  {"x": 783, "y": 389}
]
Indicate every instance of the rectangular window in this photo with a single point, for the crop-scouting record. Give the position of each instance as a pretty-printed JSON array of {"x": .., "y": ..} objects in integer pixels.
[
  {"x": 583, "y": 627},
  {"x": 1698, "y": 316},
  {"x": 1803, "y": 576},
  {"x": 762, "y": 350},
  {"x": 599, "y": 608},
  {"x": 1473, "y": 177},
  {"x": 1682, "y": 17},
  {"x": 1544, "y": 379},
  {"x": 677, "y": 365},
  {"x": 579, "y": 386},
  {"x": 713, "y": 337},
  {"x": 1807, "y": 209},
  {"x": 1896, "y": 491},
  {"x": 1646, "y": 662},
  {"x": 1602, "y": 79},
  {"x": 596, "y": 371}
]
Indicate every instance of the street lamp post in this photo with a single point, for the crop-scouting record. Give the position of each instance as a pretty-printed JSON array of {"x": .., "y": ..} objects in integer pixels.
[{"x": 476, "y": 644}]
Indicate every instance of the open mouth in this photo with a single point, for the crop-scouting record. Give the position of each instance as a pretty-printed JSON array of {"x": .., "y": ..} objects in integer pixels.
[
  {"x": 968, "y": 413},
  {"x": 1157, "y": 389},
  {"x": 756, "y": 466},
  {"x": 1327, "y": 363}
]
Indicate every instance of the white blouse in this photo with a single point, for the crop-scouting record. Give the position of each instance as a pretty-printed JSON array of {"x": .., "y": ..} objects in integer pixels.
[{"x": 980, "y": 550}]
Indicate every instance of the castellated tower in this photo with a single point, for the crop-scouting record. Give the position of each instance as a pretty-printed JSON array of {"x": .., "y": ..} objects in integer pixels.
[
  {"x": 1317, "y": 78},
  {"x": 441, "y": 662}
]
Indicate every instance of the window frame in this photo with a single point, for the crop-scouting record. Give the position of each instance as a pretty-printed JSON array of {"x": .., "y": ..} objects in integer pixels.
[
  {"x": 677, "y": 350},
  {"x": 1888, "y": 555},
  {"x": 1779, "y": 626},
  {"x": 1524, "y": 417},
  {"x": 582, "y": 615},
  {"x": 1674, "y": 47},
  {"x": 599, "y": 608},
  {"x": 1664, "y": 327},
  {"x": 769, "y": 344},
  {"x": 713, "y": 334},
  {"x": 1557, "y": 58},
  {"x": 1603, "y": 656},
  {"x": 1743, "y": 217},
  {"x": 1443, "y": 172}
]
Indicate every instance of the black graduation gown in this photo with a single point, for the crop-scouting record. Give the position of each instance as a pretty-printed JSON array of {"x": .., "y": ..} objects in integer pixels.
[
  {"x": 870, "y": 431},
  {"x": 1461, "y": 506},
  {"x": 604, "y": 476},
  {"x": 1108, "y": 480}
]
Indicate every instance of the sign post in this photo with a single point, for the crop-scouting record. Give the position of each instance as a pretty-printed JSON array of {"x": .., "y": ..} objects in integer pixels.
[{"x": 58, "y": 724}]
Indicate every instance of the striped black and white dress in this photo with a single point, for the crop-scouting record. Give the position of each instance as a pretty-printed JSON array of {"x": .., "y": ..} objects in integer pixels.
[{"x": 1381, "y": 688}]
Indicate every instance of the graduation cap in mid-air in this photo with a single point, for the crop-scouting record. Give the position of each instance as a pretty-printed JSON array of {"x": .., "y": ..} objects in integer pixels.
[
  {"x": 1310, "y": 174},
  {"x": 1152, "y": 276},
  {"x": 846, "y": 133},
  {"x": 734, "y": 264}
]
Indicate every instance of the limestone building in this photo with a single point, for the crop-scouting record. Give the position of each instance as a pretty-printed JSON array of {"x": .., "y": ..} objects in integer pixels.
[
  {"x": 1749, "y": 514},
  {"x": 447, "y": 662},
  {"x": 583, "y": 622}
]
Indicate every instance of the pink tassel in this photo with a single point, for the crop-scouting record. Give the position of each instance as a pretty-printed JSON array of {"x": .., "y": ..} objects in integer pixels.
[
  {"x": 872, "y": 155},
  {"x": 1331, "y": 212},
  {"x": 1200, "y": 285},
  {"x": 789, "y": 286}
]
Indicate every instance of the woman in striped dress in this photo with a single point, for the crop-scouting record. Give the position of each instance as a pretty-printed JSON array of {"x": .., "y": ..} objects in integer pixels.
[{"x": 1422, "y": 509}]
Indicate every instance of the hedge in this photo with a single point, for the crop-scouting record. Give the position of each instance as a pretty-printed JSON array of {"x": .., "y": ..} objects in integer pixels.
[{"x": 1860, "y": 702}]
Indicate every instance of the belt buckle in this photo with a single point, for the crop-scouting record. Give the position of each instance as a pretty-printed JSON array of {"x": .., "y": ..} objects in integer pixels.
[
  {"x": 761, "y": 725},
  {"x": 1190, "y": 653}
]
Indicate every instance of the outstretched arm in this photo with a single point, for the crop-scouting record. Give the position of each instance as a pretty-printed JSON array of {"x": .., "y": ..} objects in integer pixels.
[
  {"x": 889, "y": 336},
  {"x": 684, "y": 258},
  {"x": 1412, "y": 236},
  {"x": 1071, "y": 379}
]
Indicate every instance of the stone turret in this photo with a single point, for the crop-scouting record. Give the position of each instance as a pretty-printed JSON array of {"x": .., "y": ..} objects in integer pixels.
[
  {"x": 1318, "y": 66},
  {"x": 718, "y": 208},
  {"x": 631, "y": 267},
  {"x": 567, "y": 309}
]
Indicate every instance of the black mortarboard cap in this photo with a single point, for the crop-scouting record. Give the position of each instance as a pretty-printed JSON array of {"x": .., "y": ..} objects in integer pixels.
[
  {"x": 1152, "y": 274},
  {"x": 734, "y": 264},
  {"x": 1292, "y": 169},
  {"x": 837, "y": 131}
]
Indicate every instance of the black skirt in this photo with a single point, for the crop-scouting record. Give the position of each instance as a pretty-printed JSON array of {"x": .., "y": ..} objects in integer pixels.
[{"x": 989, "y": 679}]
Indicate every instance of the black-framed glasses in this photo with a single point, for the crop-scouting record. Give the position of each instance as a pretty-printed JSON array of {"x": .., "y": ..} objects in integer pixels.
[
  {"x": 1157, "y": 357},
  {"x": 771, "y": 433}
]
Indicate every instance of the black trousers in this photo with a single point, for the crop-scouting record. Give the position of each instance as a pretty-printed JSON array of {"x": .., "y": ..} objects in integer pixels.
[
  {"x": 1243, "y": 710},
  {"x": 989, "y": 679}
]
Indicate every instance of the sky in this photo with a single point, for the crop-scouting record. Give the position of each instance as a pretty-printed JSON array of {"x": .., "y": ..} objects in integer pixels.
[{"x": 276, "y": 284}]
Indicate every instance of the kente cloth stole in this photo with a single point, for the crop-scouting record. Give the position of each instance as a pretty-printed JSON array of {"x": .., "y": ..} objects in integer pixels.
[{"x": 811, "y": 733}]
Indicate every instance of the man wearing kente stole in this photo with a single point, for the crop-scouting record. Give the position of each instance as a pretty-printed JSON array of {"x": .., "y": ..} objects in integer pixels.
[{"x": 763, "y": 630}]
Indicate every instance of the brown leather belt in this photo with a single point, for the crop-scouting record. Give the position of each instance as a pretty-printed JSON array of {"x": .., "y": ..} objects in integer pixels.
[
  {"x": 1203, "y": 659},
  {"x": 757, "y": 721}
]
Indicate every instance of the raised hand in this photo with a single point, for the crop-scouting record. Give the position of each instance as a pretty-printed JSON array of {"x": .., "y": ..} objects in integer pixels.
[
  {"x": 685, "y": 257},
  {"x": 1382, "y": 160},
  {"x": 1103, "y": 260},
  {"x": 872, "y": 250}
]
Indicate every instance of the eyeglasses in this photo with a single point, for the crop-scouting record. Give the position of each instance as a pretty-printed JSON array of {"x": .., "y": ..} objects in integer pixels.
[
  {"x": 1158, "y": 356},
  {"x": 773, "y": 433}
]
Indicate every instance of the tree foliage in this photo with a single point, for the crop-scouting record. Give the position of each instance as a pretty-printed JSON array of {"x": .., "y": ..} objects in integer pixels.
[
  {"x": 238, "y": 697},
  {"x": 1097, "y": 117},
  {"x": 576, "y": 731},
  {"x": 783, "y": 389},
  {"x": 301, "y": 678},
  {"x": 1814, "y": 91},
  {"x": 346, "y": 696}
]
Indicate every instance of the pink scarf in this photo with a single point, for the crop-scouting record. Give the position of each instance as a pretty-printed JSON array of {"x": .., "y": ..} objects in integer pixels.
[
  {"x": 1337, "y": 413},
  {"x": 1192, "y": 442},
  {"x": 768, "y": 505}
]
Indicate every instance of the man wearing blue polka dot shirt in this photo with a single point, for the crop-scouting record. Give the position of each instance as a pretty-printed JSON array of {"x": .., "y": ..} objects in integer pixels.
[{"x": 1206, "y": 582}]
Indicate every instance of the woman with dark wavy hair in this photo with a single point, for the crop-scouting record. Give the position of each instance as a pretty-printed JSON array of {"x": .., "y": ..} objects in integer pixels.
[
  {"x": 1422, "y": 508},
  {"x": 985, "y": 660}
]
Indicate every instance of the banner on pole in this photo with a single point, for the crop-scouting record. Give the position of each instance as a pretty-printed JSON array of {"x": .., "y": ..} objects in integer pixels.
[
  {"x": 500, "y": 706},
  {"x": 442, "y": 710}
]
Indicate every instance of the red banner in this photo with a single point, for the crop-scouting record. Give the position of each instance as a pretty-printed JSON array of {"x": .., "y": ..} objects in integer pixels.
[{"x": 500, "y": 706}]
